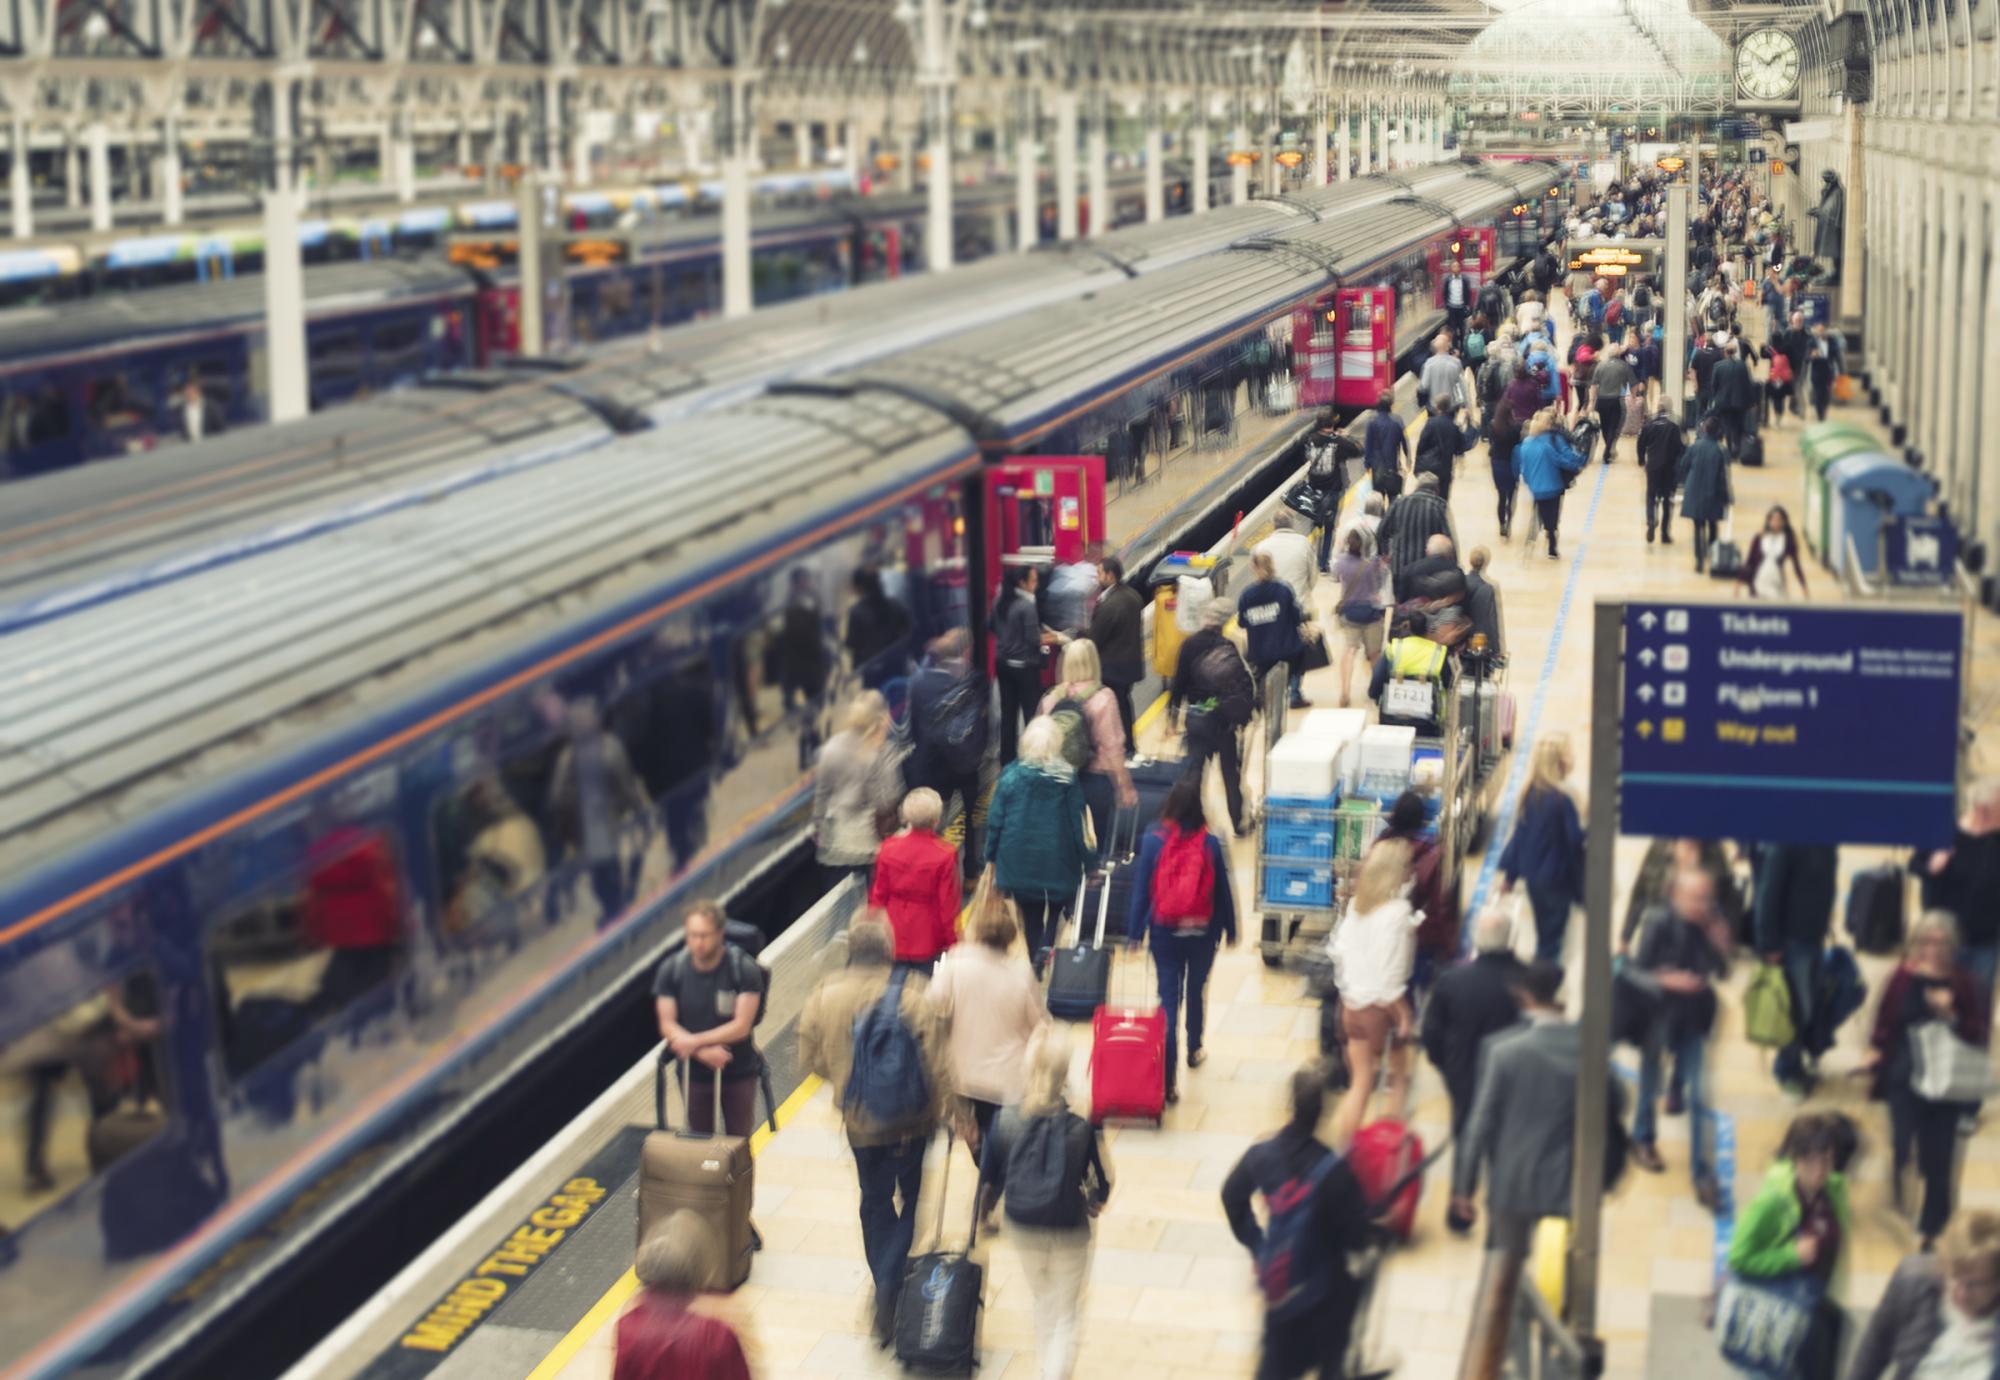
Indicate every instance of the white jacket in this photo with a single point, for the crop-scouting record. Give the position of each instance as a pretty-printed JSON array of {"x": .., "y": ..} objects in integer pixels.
[{"x": 1373, "y": 952}]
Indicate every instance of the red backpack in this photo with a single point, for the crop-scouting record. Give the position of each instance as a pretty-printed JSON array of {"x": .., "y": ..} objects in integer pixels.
[
  {"x": 1781, "y": 369},
  {"x": 1184, "y": 884}
]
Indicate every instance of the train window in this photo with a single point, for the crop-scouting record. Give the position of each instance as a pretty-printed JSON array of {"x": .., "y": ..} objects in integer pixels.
[
  {"x": 92, "y": 1083},
  {"x": 399, "y": 346},
  {"x": 124, "y": 400},
  {"x": 309, "y": 947},
  {"x": 666, "y": 719},
  {"x": 491, "y": 859},
  {"x": 336, "y": 359}
]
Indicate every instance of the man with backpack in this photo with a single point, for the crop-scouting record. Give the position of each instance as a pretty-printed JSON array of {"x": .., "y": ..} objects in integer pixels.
[
  {"x": 868, "y": 1031},
  {"x": 949, "y": 728},
  {"x": 1315, "y": 1218},
  {"x": 709, "y": 995},
  {"x": 1212, "y": 681}
]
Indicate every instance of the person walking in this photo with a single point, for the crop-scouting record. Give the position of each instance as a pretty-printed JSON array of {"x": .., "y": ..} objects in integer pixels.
[
  {"x": 1183, "y": 907},
  {"x": 1545, "y": 853},
  {"x": 870, "y": 1033},
  {"x": 1616, "y": 383},
  {"x": 991, "y": 1006},
  {"x": 1764, "y": 563},
  {"x": 1315, "y": 1219},
  {"x": 1035, "y": 837},
  {"x": 1439, "y": 445},
  {"x": 1374, "y": 949},
  {"x": 1683, "y": 947},
  {"x": 1441, "y": 380},
  {"x": 706, "y": 998},
  {"x": 1406, "y": 531},
  {"x": 1796, "y": 1227},
  {"x": 1017, "y": 649},
  {"x": 1363, "y": 580},
  {"x": 1547, "y": 462},
  {"x": 1792, "y": 905},
  {"x": 1118, "y": 630},
  {"x": 1384, "y": 447},
  {"x": 949, "y": 719},
  {"x": 663, "y": 1332},
  {"x": 858, "y": 779},
  {"x": 1964, "y": 880},
  {"x": 1794, "y": 343},
  {"x": 1661, "y": 445},
  {"x": 1270, "y": 617},
  {"x": 1326, "y": 471},
  {"x": 1103, "y": 775},
  {"x": 1413, "y": 657},
  {"x": 1824, "y": 361},
  {"x": 1211, "y": 680},
  {"x": 916, "y": 883},
  {"x": 1468, "y": 1004},
  {"x": 1734, "y": 394},
  {"x": 1503, "y": 440},
  {"x": 1929, "y": 986},
  {"x": 1705, "y": 496},
  {"x": 1291, "y": 553},
  {"x": 1045, "y": 1164},
  {"x": 1940, "y": 1315}
]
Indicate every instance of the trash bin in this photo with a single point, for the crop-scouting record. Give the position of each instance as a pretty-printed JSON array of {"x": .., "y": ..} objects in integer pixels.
[
  {"x": 1168, "y": 633},
  {"x": 1821, "y": 445},
  {"x": 1861, "y": 490}
]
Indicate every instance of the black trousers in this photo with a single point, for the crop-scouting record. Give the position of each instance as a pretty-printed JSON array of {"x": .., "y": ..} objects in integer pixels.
[
  {"x": 1611, "y": 416},
  {"x": 1121, "y": 690},
  {"x": 1020, "y": 692},
  {"x": 1704, "y": 537},
  {"x": 1660, "y": 510},
  {"x": 1041, "y": 921},
  {"x": 1822, "y": 398},
  {"x": 1220, "y": 741},
  {"x": 1314, "y": 1343},
  {"x": 1732, "y": 429},
  {"x": 964, "y": 785},
  {"x": 1550, "y": 511},
  {"x": 1931, "y": 1130}
]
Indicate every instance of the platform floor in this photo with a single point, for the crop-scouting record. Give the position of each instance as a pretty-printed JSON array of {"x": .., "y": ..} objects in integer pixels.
[{"x": 1171, "y": 1291}]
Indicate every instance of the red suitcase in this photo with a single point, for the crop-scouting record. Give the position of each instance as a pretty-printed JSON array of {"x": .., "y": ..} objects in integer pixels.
[
  {"x": 1128, "y": 1063},
  {"x": 1383, "y": 1153}
]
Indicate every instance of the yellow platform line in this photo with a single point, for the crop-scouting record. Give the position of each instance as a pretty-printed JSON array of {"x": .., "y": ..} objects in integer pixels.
[{"x": 606, "y": 1308}]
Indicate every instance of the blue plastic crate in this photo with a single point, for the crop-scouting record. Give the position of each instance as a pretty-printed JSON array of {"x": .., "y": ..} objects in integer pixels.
[
  {"x": 1294, "y": 837},
  {"x": 1289, "y": 804},
  {"x": 1296, "y": 882}
]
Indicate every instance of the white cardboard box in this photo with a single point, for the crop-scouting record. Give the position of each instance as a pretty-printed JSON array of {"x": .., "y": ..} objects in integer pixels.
[
  {"x": 1386, "y": 748},
  {"x": 1302, "y": 767}
]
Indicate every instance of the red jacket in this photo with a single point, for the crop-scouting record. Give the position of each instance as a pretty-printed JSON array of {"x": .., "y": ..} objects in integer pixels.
[
  {"x": 916, "y": 881},
  {"x": 659, "y": 1339}
]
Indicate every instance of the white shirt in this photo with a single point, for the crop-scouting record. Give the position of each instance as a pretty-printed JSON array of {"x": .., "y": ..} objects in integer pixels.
[
  {"x": 1373, "y": 952},
  {"x": 1771, "y": 570},
  {"x": 1292, "y": 557},
  {"x": 1529, "y": 314},
  {"x": 1963, "y": 1351}
]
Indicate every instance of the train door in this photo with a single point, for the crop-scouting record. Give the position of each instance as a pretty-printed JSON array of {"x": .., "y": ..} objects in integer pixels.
[
  {"x": 1042, "y": 510},
  {"x": 1316, "y": 351},
  {"x": 1365, "y": 320}
]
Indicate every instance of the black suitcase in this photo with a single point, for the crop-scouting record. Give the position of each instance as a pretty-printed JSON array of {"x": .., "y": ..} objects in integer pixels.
[
  {"x": 1875, "y": 910},
  {"x": 1752, "y": 451},
  {"x": 1151, "y": 781},
  {"x": 937, "y": 1311},
  {"x": 1725, "y": 560},
  {"x": 1079, "y": 976}
]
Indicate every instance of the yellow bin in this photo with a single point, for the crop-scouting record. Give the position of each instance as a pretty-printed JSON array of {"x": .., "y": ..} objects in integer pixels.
[{"x": 1167, "y": 634}]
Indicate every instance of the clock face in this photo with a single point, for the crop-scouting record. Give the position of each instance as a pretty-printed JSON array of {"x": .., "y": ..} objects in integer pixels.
[{"x": 1767, "y": 65}]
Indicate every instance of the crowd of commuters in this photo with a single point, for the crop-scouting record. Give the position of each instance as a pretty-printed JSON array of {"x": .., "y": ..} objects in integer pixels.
[{"x": 963, "y": 979}]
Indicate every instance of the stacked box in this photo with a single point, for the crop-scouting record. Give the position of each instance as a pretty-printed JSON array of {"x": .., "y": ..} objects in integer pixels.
[
  {"x": 1356, "y": 824},
  {"x": 1301, "y": 767},
  {"x": 1384, "y": 767}
]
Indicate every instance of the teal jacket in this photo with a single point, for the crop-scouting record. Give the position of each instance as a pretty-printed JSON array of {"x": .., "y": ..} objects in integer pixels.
[
  {"x": 1034, "y": 831},
  {"x": 1766, "y": 1241}
]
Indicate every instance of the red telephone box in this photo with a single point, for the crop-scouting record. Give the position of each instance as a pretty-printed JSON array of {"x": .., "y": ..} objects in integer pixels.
[
  {"x": 1364, "y": 343},
  {"x": 1041, "y": 509}
]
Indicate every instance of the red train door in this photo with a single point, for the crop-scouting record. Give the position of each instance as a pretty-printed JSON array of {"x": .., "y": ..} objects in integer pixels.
[
  {"x": 1316, "y": 351},
  {"x": 1043, "y": 510},
  {"x": 1365, "y": 323}
]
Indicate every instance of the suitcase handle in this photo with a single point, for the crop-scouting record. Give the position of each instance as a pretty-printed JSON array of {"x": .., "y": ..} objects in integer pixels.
[
  {"x": 660, "y": 1122},
  {"x": 944, "y": 1191}
]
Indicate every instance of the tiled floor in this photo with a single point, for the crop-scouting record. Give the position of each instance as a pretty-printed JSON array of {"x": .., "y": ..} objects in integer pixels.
[{"x": 1170, "y": 1293}]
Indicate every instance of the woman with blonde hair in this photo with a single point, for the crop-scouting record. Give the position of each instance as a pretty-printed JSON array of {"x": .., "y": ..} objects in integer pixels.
[
  {"x": 858, "y": 779},
  {"x": 1086, "y": 709},
  {"x": 992, "y": 1007},
  {"x": 1045, "y": 1163},
  {"x": 1034, "y": 836},
  {"x": 1374, "y": 948},
  {"x": 1547, "y": 463},
  {"x": 1545, "y": 851}
]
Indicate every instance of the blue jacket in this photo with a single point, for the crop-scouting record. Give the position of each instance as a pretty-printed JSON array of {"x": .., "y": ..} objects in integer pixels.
[
  {"x": 1383, "y": 442},
  {"x": 1269, "y": 613},
  {"x": 1546, "y": 849},
  {"x": 1221, "y": 922},
  {"x": 1543, "y": 461},
  {"x": 1034, "y": 832}
]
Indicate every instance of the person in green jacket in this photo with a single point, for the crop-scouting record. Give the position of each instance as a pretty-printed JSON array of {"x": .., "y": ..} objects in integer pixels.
[
  {"x": 1034, "y": 836},
  {"x": 1798, "y": 1222}
]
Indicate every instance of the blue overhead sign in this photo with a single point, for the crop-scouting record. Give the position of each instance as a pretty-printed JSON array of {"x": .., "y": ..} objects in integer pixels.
[{"x": 1786, "y": 723}]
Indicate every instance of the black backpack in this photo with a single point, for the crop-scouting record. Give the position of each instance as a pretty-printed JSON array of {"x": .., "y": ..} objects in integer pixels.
[
  {"x": 746, "y": 973},
  {"x": 1075, "y": 724},
  {"x": 1042, "y": 1184},
  {"x": 957, "y": 724},
  {"x": 1221, "y": 676}
]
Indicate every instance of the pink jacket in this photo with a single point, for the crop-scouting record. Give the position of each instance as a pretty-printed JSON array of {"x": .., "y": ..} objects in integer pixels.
[{"x": 1107, "y": 730}]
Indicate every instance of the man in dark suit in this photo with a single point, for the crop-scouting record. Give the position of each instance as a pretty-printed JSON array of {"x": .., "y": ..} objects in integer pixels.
[
  {"x": 1470, "y": 1003},
  {"x": 1116, "y": 629},
  {"x": 1522, "y": 1129},
  {"x": 1732, "y": 393}
]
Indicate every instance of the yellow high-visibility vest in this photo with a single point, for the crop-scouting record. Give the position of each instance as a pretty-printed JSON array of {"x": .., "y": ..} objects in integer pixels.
[{"x": 1415, "y": 658}]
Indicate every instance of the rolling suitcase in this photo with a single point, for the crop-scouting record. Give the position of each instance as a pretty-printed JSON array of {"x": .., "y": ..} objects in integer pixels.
[
  {"x": 1875, "y": 910},
  {"x": 712, "y": 1175},
  {"x": 937, "y": 1311},
  {"x": 1080, "y": 976},
  {"x": 1128, "y": 1063},
  {"x": 1383, "y": 1158}
]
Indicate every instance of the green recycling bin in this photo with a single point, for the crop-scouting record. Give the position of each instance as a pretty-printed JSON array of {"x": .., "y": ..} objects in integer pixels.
[{"x": 1821, "y": 445}]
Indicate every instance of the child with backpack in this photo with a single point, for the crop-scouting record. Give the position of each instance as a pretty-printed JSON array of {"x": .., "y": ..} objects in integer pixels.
[
  {"x": 1182, "y": 907},
  {"x": 1045, "y": 1164}
]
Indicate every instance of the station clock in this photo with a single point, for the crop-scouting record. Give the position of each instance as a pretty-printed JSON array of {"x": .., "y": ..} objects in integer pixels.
[{"x": 1767, "y": 66}]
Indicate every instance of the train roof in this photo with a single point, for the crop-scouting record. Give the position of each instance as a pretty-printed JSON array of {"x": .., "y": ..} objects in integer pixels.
[{"x": 31, "y": 334}]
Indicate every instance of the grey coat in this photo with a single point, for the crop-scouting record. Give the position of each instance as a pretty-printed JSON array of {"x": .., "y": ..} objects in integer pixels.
[
  {"x": 1905, "y": 1325},
  {"x": 1705, "y": 482},
  {"x": 1523, "y": 1122}
]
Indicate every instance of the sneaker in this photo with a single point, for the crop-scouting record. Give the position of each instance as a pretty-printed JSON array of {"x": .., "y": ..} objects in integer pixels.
[
  {"x": 1197, "y": 1057},
  {"x": 1647, "y": 1157},
  {"x": 1649, "y": 536},
  {"x": 1173, "y": 1094},
  {"x": 1137, "y": 760},
  {"x": 1456, "y": 1225},
  {"x": 1302, "y": 704}
]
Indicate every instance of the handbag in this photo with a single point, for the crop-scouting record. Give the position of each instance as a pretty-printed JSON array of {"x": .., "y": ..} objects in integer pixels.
[
  {"x": 1760, "y": 1324},
  {"x": 1944, "y": 1068},
  {"x": 1767, "y": 1008},
  {"x": 1315, "y": 657}
]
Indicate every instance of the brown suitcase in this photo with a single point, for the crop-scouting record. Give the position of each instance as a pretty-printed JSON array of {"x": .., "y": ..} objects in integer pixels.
[{"x": 711, "y": 1175}]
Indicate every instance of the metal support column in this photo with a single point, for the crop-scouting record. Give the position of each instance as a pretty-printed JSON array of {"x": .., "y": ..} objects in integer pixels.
[
  {"x": 172, "y": 203},
  {"x": 935, "y": 79},
  {"x": 552, "y": 128},
  {"x": 1097, "y": 147},
  {"x": 1198, "y": 155},
  {"x": 731, "y": 136},
  {"x": 1673, "y": 377},
  {"x": 1027, "y": 172},
  {"x": 1239, "y": 174},
  {"x": 72, "y": 172},
  {"x": 1066, "y": 165},
  {"x": 1322, "y": 133},
  {"x": 100, "y": 177},
  {"x": 1593, "y": 1072},
  {"x": 528, "y": 217},
  {"x": 20, "y": 184},
  {"x": 1343, "y": 153},
  {"x": 1274, "y": 171},
  {"x": 282, "y": 151},
  {"x": 1156, "y": 173},
  {"x": 284, "y": 307},
  {"x": 1367, "y": 134},
  {"x": 852, "y": 144}
]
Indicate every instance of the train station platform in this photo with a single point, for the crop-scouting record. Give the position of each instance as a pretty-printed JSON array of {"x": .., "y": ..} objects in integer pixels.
[{"x": 1170, "y": 1292}]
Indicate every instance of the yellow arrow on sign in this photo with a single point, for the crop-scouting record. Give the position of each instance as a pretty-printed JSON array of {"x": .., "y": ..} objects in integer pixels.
[{"x": 1645, "y": 728}]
